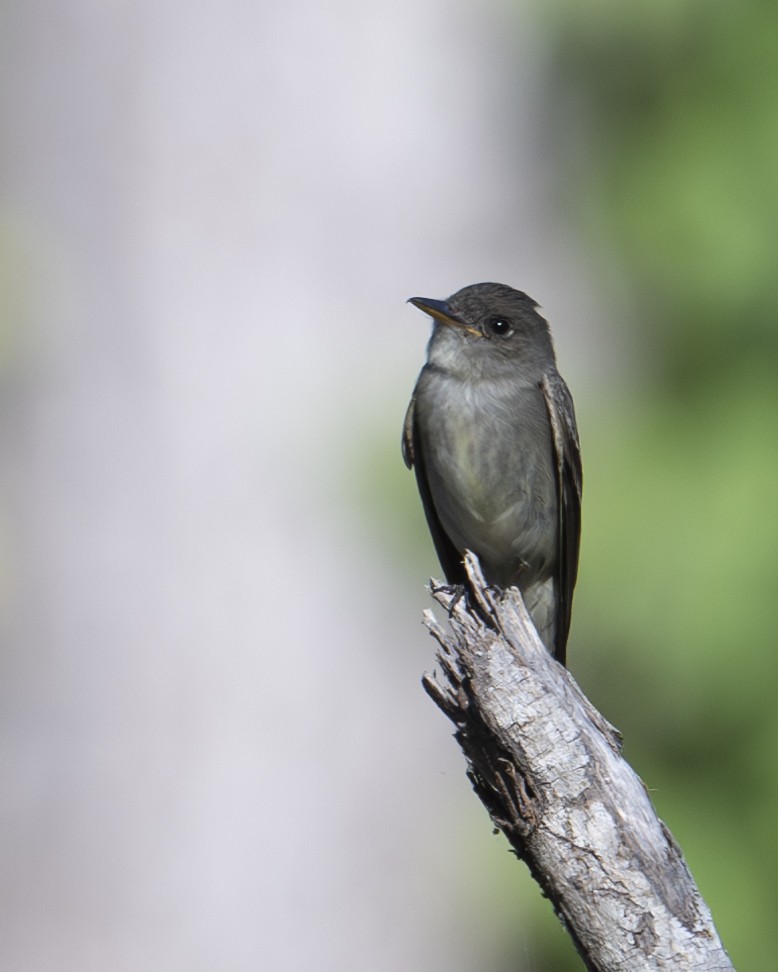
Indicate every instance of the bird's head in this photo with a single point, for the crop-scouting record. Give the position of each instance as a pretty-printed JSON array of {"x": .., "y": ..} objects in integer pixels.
[{"x": 488, "y": 330}]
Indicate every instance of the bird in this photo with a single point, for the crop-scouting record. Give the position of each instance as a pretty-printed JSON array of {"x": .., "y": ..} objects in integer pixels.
[{"x": 491, "y": 435}]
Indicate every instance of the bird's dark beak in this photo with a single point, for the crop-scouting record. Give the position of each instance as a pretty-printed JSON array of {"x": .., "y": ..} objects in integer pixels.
[{"x": 440, "y": 311}]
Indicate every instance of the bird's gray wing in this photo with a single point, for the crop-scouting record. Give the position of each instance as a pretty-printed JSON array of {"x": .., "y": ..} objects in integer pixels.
[
  {"x": 407, "y": 443},
  {"x": 413, "y": 454},
  {"x": 567, "y": 458}
]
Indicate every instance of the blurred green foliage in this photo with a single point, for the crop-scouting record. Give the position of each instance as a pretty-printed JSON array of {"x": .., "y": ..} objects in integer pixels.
[
  {"x": 677, "y": 179},
  {"x": 665, "y": 114}
]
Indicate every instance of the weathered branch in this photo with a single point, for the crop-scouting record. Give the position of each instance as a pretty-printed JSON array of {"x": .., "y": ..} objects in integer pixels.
[{"x": 548, "y": 768}]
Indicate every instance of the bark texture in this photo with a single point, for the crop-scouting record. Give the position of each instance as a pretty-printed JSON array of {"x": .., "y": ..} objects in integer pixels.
[{"x": 548, "y": 768}]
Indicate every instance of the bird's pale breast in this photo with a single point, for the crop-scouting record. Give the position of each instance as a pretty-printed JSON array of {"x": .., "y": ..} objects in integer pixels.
[{"x": 488, "y": 461}]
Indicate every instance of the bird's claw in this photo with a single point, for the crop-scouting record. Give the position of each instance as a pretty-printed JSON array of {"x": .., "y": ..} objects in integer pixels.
[{"x": 454, "y": 591}]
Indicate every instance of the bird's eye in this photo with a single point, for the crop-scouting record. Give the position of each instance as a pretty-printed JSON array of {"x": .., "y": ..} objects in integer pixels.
[{"x": 500, "y": 327}]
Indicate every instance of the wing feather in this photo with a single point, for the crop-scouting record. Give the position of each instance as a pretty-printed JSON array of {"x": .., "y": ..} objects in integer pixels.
[{"x": 569, "y": 479}]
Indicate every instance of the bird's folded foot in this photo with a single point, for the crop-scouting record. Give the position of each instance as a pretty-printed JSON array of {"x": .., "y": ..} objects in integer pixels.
[
  {"x": 457, "y": 593},
  {"x": 454, "y": 591}
]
